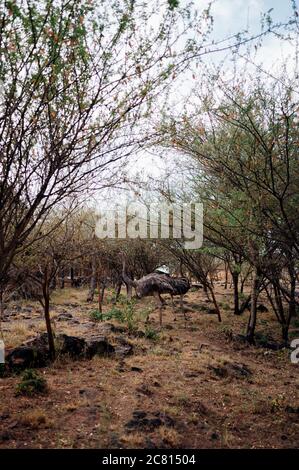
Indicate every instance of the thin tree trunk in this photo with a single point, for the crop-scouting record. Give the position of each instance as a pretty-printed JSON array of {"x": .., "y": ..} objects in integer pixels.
[
  {"x": 46, "y": 295},
  {"x": 235, "y": 277},
  {"x": 215, "y": 303},
  {"x": 226, "y": 275},
  {"x": 93, "y": 281},
  {"x": 72, "y": 276},
  {"x": 1, "y": 312},
  {"x": 253, "y": 312},
  {"x": 62, "y": 279},
  {"x": 101, "y": 291}
]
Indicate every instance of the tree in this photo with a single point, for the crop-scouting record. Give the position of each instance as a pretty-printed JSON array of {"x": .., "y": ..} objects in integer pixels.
[
  {"x": 76, "y": 77},
  {"x": 245, "y": 147}
]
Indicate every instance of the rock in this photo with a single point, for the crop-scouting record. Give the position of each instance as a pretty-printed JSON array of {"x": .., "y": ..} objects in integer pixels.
[
  {"x": 211, "y": 311},
  {"x": 232, "y": 370},
  {"x": 98, "y": 345},
  {"x": 291, "y": 409},
  {"x": 64, "y": 317},
  {"x": 136, "y": 369},
  {"x": 32, "y": 353},
  {"x": 262, "y": 308},
  {"x": 106, "y": 328},
  {"x": 142, "y": 421},
  {"x": 35, "y": 353},
  {"x": 139, "y": 414},
  {"x": 124, "y": 348},
  {"x": 145, "y": 390},
  {"x": 27, "y": 309},
  {"x": 259, "y": 308},
  {"x": 71, "y": 345},
  {"x": 5, "y": 436},
  {"x": 240, "y": 370}
]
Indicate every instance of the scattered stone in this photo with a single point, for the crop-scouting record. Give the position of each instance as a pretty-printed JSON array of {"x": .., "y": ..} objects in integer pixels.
[
  {"x": 136, "y": 369},
  {"x": 291, "y": 409},
  {"x": 35, "y": 353},
  {"x": 71, "y": 345},
  {"x": 98, "y": 345},
  {"x": 238, "y": 371},
  {"x": 123, "y": 348},
  {"x": 139, "y": 414},
  {"x": 32, "y": 353},
  {"x": 106, "y": 328},
  {"x": 145, "y": 390},
  {"x": 262, "y": 308},
  {"x": 211, "y": 311},
  {"x": 5, "y": 436},
  {"x": 143, "y": 421},
  {"x": 64, "y": 317}
]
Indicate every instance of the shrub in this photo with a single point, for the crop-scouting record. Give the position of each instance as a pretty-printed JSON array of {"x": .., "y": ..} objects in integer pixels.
[
  {"x": 150, "y": 333},
  {"x": 31, "y": 384}
]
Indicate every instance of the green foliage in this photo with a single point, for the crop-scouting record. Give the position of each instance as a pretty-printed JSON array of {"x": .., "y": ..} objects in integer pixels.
[
  {"x": 31, "y": 384},
  {"x": 225, "y": 306},
  {"x": 173, "y": 4},
  {"x": 116, "y": 313},
  {"x": 151, "y": 333},
  {"x": 126, "y": 314}
]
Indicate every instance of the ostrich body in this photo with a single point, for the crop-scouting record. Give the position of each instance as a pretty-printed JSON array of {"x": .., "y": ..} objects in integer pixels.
[{"x": 156, "y": 284}]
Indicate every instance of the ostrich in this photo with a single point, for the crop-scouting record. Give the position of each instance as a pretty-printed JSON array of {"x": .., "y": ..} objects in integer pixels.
[
  {"x": 156, "y": 284},
  {"x": 180, "y": 285}
]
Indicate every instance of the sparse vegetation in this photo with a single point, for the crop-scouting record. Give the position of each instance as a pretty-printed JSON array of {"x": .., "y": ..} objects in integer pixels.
[
  {"x": 31, "y": 384},
  {"x": 117, "y": 119}
]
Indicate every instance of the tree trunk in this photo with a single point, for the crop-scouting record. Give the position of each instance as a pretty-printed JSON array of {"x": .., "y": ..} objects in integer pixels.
[
  {"x": 72, "y": 276},
  {"x": 226, "y": 275},
  {"x": 1, "y": 312},
  {"x": 101, "y": 291},
  {"x": 215, "y": 303},
  {"x": 245, "y": 304},
  {"x": 62, "y": 279},
  {"x": 46, "y": 295},
  {"x": 254, "y": 298},
  {"x": 93, "y": 281},
  {"x": 235, "y": 277}
]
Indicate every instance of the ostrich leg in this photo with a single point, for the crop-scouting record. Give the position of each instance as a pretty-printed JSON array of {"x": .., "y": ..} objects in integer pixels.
[
  {"x": 182, "y": 307},
  {"x": 173, "y": 307}
]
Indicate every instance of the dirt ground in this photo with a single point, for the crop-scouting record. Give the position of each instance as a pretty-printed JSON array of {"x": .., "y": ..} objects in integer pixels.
[{"x": 190, "y": 384}]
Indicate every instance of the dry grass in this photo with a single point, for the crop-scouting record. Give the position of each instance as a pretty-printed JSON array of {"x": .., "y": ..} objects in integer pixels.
[
  {"x": 91, "y": 402},
  {"x": 36, "y": 419}
]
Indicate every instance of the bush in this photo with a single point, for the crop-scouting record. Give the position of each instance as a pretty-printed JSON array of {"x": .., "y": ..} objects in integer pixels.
[
  {"x": 31, "y": 384},
  {"x": 116, "y": 313},
  {"x": 151, "y": 334},
  {"x": 125, "y": 314}
]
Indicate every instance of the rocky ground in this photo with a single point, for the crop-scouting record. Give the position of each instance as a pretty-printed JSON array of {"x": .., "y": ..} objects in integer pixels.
[{"x": 191, "y": 384}]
